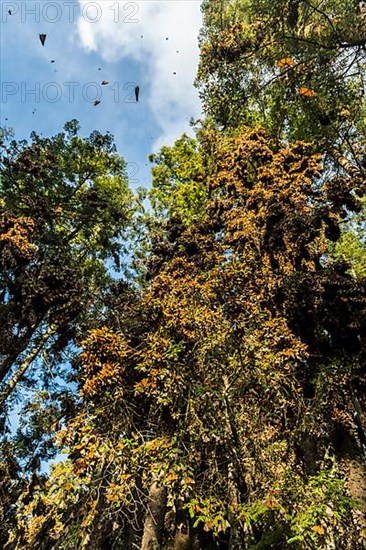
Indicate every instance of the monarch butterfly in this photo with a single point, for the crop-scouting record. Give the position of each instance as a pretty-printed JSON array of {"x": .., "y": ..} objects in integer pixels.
[
  {"x": 307, "y": 92},
  {"x": 270, "y": 503},
  {"x": 285, "y": 62},
  {"x": 42, "y": 38},
  {"x": 105, "y": 82},
  {"x": 96, "y": 102},
  {"x": 319, "y": 529}
]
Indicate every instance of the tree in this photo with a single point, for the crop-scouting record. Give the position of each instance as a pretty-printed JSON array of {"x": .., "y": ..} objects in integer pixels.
[
  {"x": 177, "y": 180},
  {"x": 295, "y": 67},
  {"x": 209, "y": 405},
  {"x": 177, "y": 198},
  {"x": 65, "y": 207},
  {"x": 223, "y": 403},
  {"x": 351, "y": 247}
]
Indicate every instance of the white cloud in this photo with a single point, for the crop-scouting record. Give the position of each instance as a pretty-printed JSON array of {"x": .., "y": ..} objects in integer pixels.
[{"x": 171, "y": 97}]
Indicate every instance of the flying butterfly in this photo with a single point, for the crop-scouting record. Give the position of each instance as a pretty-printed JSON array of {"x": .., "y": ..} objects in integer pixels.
[
  {"x": 104, "y": 82},
  {"x": 42, "y": 38},
  {"x": 285, "y": 62},
  {"x": 137, "y": 93},
  {"x": 307, "y": 92},
  {"x": 96, "y": 102}
]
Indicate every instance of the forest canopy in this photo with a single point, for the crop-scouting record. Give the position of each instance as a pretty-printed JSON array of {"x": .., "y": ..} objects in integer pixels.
[{"x": 196, "y": 365}]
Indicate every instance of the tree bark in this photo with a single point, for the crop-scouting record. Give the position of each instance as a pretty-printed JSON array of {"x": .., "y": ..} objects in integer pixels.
[
  {"x": 154, "y": 520},
  {"x": 182, "y": 535},
  {"x": 351, "y": 168},
  {"x": 357, "y": 487},
  {"x": 353, "y": 461},
  {"x": 10, "y": 358},
  {"x": 9, "y": 387}
]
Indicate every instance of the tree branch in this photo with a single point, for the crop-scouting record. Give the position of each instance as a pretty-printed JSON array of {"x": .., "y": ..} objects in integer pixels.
[
  {"x": 9, "y": 387},
  {"x": 12, "y": 357}
]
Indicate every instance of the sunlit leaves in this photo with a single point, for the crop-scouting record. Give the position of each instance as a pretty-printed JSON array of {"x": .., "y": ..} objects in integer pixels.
[{"x": 177, "y": 184}]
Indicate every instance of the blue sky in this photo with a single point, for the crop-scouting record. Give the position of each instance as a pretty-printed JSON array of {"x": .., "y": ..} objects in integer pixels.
[{"x": 133, "y": 43}]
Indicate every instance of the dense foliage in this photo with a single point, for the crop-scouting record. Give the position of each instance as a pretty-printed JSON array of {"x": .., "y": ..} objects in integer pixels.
[
  {"x": 295, "y": 66},
  {"x": 220, "y": 395},
  {"x": 64, "y": 206}
]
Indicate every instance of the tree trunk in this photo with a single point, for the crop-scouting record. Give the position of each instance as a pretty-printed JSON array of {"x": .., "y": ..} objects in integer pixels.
[
  {"x": 182, "y": 541},
  {"x": 351, "y": 168},
  {"x": 155, "y": 515},
  {"x": 8, "y": 388},
  {"x": 182, "y": 535},
  {"x": 353, "y": 461},
  {"x": 10, "y": 358}
]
